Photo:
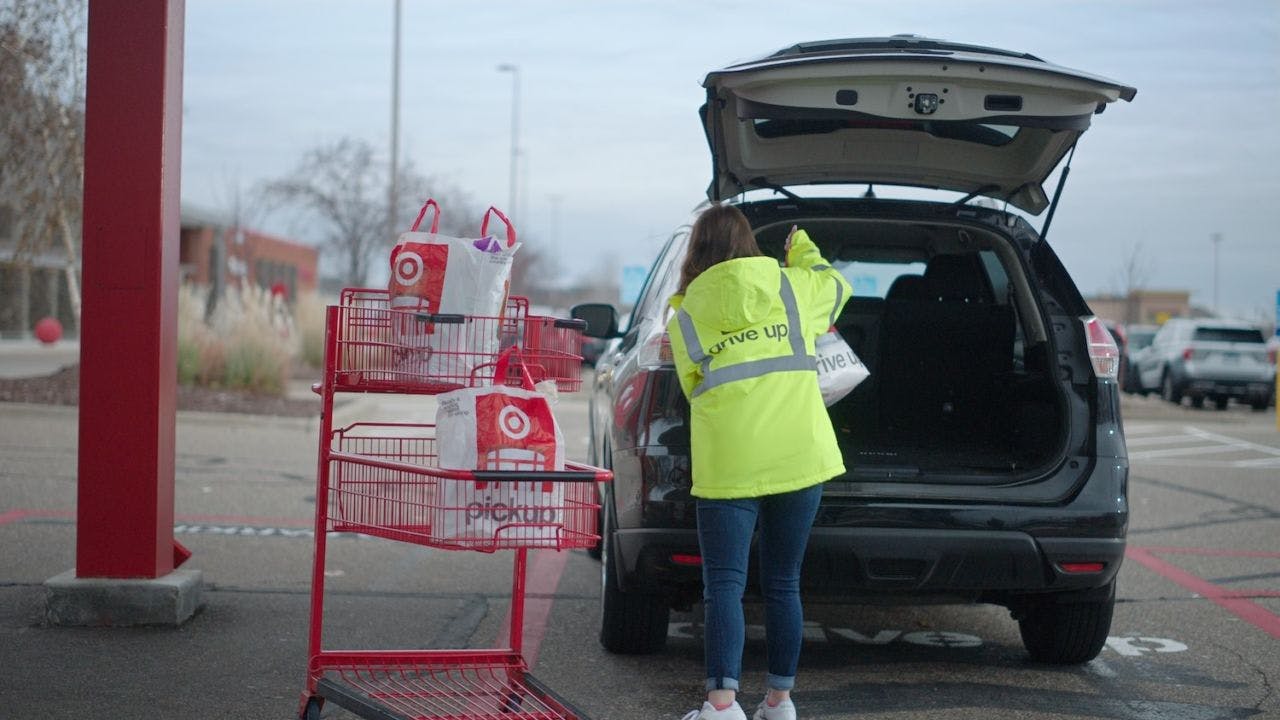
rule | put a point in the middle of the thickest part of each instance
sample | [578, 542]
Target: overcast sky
[610, 91]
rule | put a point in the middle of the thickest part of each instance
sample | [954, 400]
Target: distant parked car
[1208, 359]
[1137, 338]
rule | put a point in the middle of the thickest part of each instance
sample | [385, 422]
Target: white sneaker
[785, 710]
[709, 712]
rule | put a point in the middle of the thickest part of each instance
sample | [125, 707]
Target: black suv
[986, 459]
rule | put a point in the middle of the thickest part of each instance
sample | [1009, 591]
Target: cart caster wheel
[512, 703]
[312, 710]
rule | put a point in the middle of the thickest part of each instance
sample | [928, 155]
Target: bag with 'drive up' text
[839, 369]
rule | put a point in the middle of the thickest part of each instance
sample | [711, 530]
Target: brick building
[217, 254]
[1147, 307]
[211, 252]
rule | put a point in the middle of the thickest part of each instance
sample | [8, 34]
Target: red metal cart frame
[381, 480]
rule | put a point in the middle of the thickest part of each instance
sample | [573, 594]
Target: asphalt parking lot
[1194, 636]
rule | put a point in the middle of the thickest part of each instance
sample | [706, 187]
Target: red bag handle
[484, 225]
[435, 219]
[504, 361]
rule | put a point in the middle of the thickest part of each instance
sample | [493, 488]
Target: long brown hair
[720, 233]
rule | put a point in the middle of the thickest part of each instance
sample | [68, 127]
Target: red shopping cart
[383, 480]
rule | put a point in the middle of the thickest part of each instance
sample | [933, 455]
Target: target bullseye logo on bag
[514, 433]
[418, 275]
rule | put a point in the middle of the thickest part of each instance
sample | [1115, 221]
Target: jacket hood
[734, 294]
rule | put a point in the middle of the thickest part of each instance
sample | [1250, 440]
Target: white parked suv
[1209, 359]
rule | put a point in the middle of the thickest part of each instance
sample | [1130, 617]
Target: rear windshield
[1228, 335]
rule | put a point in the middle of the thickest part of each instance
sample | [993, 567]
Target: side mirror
[601, 319]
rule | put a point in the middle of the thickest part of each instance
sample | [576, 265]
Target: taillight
[1103, 352]
[1080, 568]
[1188, 354]
[655, 351]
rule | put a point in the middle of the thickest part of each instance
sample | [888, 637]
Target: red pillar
[128, 335]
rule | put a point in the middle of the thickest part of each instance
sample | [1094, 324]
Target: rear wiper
[980, 191]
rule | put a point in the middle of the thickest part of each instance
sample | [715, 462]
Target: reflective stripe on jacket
[742, 337]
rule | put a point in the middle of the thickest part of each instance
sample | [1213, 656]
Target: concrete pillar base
[170, 600]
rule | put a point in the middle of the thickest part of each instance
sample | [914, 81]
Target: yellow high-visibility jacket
[742, 337]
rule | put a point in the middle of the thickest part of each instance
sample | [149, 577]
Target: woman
[743, 337]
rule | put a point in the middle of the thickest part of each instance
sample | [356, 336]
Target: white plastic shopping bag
[499, 429]
[839, 369]
[467, 278]
[436, 273]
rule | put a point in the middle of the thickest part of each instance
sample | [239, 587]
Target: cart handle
[435, 219]
[511, 229]
[443, 318]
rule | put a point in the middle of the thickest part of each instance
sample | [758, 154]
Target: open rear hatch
[902, 110]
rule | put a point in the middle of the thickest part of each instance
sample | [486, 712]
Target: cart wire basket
[381, 348]
[383, 482]
[470, 685]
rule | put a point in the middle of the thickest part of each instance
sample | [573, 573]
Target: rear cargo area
[961, 379]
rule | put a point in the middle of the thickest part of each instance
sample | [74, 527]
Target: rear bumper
[1241, 389]
[844, 562]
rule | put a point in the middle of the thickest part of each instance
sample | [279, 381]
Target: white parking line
[1234, 442]
[1173, 452]
[1147, 448]
[1159, 440]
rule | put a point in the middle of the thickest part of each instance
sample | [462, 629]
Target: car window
[1139, 339]
[872, 279]
[662, 280]
[1222, 334]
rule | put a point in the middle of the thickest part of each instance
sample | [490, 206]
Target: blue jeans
[725, 528]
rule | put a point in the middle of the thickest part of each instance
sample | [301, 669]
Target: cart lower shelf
[448, 685]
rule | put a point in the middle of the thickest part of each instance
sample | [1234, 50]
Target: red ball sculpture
[48, 330]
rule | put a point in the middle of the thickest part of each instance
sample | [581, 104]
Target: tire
[1168, 391]
[1221, 403]
[1067, 633]
[1197, 401]
[631, 623]
[1260, 404]
[312, 709]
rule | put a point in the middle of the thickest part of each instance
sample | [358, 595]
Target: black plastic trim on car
[747, 109]
[908, 560]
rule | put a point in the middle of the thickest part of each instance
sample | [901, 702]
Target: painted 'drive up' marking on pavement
[1190, 445]
[1125, 646]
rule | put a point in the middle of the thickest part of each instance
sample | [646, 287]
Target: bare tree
[1132, 278]
[344, 186]
[42, 81]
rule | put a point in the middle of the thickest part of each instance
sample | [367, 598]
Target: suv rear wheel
[1066, 633]
[631, 623]
[1168, 391]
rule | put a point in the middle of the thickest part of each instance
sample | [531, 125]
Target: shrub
[308, 322]
[247, 344]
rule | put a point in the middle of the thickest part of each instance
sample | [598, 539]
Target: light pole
[515, 131]
[1217, 239]
[393, 191]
